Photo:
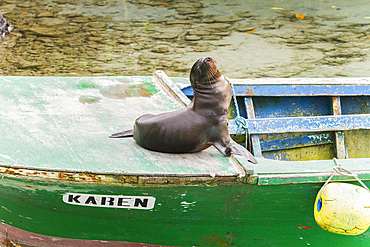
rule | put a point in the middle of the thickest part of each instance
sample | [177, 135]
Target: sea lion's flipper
[234, 148]
[239, 149]
[127, 133]
[225, 151]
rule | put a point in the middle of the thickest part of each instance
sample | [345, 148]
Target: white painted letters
[110, 201]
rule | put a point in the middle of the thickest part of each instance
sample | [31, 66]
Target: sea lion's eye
[199, 72]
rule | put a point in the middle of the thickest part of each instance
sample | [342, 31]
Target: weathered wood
[256, 145]
[304, 124]
[306, 105]
[172, 90]
[272, 87]
[301, 90]
[296, 142]
[339, 135]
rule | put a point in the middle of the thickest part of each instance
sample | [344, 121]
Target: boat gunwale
[129, 179]
[109, 178]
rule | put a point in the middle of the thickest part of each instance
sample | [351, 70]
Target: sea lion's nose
[208, 59]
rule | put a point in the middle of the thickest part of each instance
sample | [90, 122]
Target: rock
[216, 26]
[26, 4]
[222, 33]
[80, 19]
[335, 60]
[161, 49]
[297, 40]
[344, 53]
[122, 27]
[325, 37]
[44, 31]
[187, 11]
[127, 35]
[349, 37]
[168, 33]
[179, 22]
[220, 19]
[44, 14]
[192, 37]
[240, 27]
[322, 46]
[72, 15]
[265, 23]
[332, 17]
[97, 25]
[96, 39]
[186, 4]
[351, 24]
[212, 37]
[124, 41]
[199, 32]
[49, 22]
[244, 14]
[202, 47]
[7, 9]
[24, 64]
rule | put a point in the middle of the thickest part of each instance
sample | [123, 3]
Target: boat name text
[110, 201]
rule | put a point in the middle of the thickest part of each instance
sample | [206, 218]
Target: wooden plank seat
[322, 108]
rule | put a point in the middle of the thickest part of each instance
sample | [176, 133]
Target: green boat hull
[63, 182]
[216, 214]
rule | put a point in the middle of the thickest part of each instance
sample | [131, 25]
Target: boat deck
[62, 124]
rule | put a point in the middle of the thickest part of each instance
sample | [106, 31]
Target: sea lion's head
[204, 72]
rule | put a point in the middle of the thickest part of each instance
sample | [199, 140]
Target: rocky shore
[93, 37]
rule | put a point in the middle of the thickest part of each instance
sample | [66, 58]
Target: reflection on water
[135, 37]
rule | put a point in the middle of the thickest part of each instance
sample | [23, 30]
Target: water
[250, 39]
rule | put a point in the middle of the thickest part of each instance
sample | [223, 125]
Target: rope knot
[242, 123]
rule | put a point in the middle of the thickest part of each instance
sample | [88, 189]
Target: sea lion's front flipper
[225, 151]
[234, 148]
[239, 149]
[127, 133]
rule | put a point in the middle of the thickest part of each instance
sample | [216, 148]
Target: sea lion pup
[201, 124]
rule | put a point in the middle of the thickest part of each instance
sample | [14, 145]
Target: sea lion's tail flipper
[127, 133]
[234, 148]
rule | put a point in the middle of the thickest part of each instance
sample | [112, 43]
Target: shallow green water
[249, 38]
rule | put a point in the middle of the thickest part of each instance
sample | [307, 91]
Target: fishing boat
[63, 182]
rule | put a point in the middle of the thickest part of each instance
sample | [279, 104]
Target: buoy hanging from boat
[343, 208]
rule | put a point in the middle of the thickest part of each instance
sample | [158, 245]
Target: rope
[338, 168]
[240, 121]
[344, 172]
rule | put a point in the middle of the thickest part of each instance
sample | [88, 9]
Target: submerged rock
[161, 49]
[44, 31]
[49, 22]
[44, 14]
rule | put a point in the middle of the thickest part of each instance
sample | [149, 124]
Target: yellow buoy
[343, 208]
